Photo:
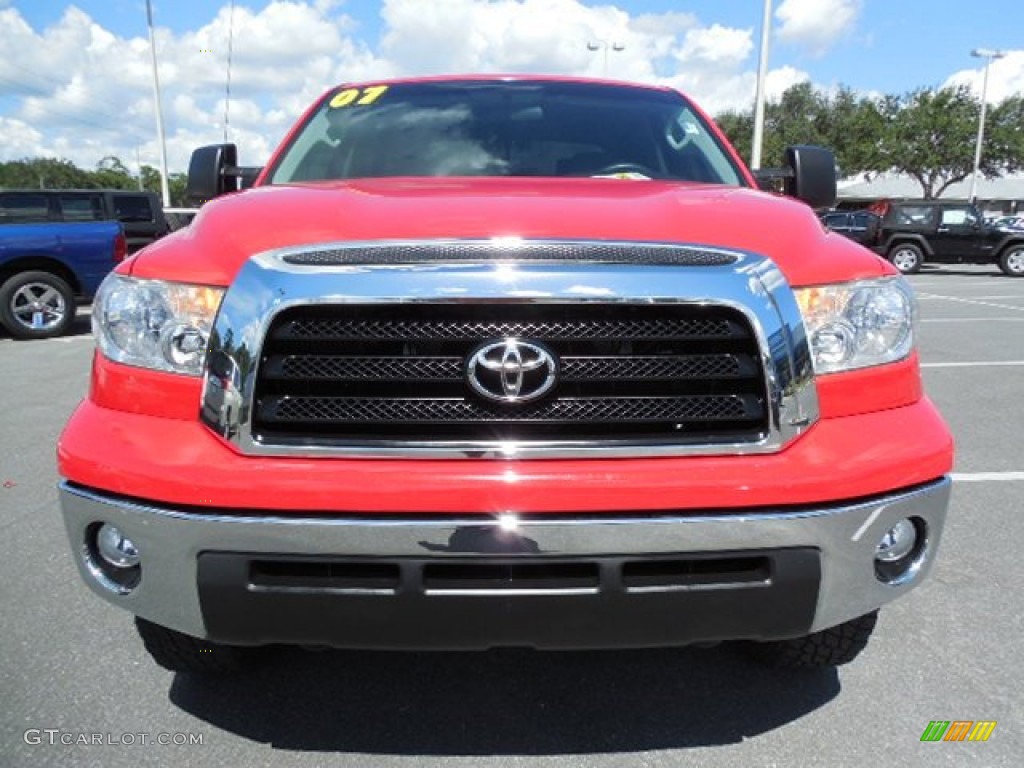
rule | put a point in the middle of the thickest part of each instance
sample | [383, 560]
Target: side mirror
[207, 172]
[814, 175]
[214, 170]
[809, 175]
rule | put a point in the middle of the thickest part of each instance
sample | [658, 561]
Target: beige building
[1004, 195]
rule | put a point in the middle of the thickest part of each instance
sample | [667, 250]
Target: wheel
[906, 257]
[828, 648]
[179, 652]
[36, 305]
[1012, 261]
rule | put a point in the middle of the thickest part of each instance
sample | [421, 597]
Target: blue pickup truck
[45, 269]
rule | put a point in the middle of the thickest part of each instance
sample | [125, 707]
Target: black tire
[906, 257]
[1011, 261]
[830, 647]
[36, 305]
[179, 652]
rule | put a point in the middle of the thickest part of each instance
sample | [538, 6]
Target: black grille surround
[369, 374]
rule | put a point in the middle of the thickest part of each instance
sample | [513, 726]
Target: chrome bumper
[170, 542]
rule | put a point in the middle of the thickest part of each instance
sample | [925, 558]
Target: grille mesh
[470, 251]
[634, 368]
[383, 330]
[366, 410]
[371, 368]
[299, 367]
[337, 374]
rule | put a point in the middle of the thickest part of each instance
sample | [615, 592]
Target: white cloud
[504, 35]
[81, 92]
[816, 24]
[669, 23]
[284, 56]
[716, 45]
[1005, 78]
[781, 80]
[20, 139]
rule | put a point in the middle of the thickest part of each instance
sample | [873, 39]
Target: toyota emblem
[511, 370]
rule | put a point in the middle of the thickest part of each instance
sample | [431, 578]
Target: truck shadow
[81, 325]
[508, 702]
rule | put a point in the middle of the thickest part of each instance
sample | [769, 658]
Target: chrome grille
[362, 373]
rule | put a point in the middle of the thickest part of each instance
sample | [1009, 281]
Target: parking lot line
[997, 297]
[971, 301]
[55, 340]
[973, 320]
[936, 285]
[986, 477]
[984, 363]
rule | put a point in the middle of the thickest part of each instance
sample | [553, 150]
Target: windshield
[504, 128]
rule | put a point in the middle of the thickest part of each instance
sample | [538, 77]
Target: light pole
[988, 55]
[606, 45]
[762, 72]
[227, 80]
[159, 111]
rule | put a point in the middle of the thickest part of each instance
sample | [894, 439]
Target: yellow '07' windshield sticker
[357, 97]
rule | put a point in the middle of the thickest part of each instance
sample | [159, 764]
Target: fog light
[902, 551]
[116, 548]
[897, 543]
[111, 558]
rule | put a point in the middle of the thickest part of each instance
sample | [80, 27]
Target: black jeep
[946, 232]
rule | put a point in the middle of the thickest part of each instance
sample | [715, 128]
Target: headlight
[154, 324]
[856, 325]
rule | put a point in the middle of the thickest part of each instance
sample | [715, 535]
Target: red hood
[231, 229]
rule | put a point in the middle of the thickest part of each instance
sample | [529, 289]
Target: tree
[738, 127]
[854, 129]
[1004, 136]
[176, 183]
[930, 136]
[44, 172]
[150, 178]
[111, 173]
[926, 134]
[848, 124]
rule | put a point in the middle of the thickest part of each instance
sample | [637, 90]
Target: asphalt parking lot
[951, 650]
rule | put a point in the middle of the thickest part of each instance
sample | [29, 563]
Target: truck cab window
[23, 208]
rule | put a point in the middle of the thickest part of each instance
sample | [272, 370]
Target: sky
[76, 78]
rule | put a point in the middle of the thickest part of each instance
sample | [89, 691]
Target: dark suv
[946, 233]
[140, 213]
[860, 226]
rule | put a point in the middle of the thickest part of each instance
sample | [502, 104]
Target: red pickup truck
[505, 361]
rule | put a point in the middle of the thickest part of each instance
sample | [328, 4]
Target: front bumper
[580, 581]
[179, 463]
